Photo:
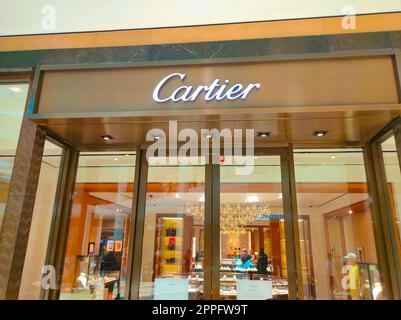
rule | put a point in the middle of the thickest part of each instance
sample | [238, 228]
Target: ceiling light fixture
[264, 134]
[107, 137]
[333, 157]
[15, 89]
[350, 212]
[320, 133]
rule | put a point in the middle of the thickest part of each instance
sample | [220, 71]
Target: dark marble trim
[207, 50]
[20, 205]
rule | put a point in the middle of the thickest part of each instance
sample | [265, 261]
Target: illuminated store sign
[270, 216]
[217, 90]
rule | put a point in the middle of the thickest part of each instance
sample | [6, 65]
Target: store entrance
[228, 243]
[253, 250]
[189, 240]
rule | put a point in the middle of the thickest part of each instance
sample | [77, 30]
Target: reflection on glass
[393, 179]
[12, 104]
[173, 241]
[97, 248]
[252, 239]
[336, 232]
[41, 222]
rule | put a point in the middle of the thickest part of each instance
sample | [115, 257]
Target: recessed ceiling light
[15, 89]
[107, 137]
[350, 211]
[333, 157]
[264, 134]
[127, 155]
[320, 133]
[115, 159]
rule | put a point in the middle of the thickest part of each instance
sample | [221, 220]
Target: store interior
[334, 221]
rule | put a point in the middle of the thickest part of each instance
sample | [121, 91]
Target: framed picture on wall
[110, 245]
[118, 246]
[91, 248]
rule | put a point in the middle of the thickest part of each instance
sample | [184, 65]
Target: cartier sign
[217, 90]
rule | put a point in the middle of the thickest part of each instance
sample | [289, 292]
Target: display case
[86, 272]
[231, 271]
[196, 285]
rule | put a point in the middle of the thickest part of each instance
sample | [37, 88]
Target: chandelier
[233, 216]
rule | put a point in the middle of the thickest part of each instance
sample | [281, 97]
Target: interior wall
[363, 235]
[75, 238]
[319, 251]
[348, 225]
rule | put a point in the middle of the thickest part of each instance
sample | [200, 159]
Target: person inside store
[262, 262]
[352, 272]
[245, 256]
[330, 272]
[111, 262]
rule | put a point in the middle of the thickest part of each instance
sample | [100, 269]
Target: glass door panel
[393, 180]
[97, 247]
[253, 259]
[173, 242]
[338, 245]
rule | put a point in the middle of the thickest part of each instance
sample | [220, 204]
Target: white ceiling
[54, 16]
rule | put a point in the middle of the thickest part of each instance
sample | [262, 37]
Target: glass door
[253, 245]
[173, 247]
[96, 257]
[213, 231]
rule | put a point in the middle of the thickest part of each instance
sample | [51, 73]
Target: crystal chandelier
[233, 216]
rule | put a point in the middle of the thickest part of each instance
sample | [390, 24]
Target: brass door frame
[386, 237]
